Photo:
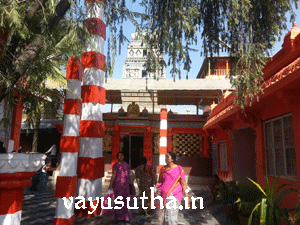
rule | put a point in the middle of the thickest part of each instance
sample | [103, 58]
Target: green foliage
[29, 23]
[245, 29]
[248, 198]
[228, 194]
[295, 220]
[39, 47]
[269, 207]
[246, 74]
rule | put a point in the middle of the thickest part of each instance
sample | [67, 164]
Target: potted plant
[227, 195]
[248, 198]
[295, 219]
[269, 207]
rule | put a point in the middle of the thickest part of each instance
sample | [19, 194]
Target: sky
[195, 57]
[129, 28]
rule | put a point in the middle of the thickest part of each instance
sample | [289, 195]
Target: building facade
[262, 139]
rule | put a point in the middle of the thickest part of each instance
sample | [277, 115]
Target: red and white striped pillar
[91, 128]
[66, 185]
[163, 138]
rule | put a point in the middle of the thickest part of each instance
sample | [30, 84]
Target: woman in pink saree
[171, 183]
[120, 184]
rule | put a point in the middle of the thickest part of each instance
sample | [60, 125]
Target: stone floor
[39, 208]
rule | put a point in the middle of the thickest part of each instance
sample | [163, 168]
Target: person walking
[52, 151]
[120, 184]
[171, 183]
[145, 177]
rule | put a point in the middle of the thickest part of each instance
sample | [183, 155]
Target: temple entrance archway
[133, 149]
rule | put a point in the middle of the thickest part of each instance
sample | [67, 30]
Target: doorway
[133, 149]
[243, 155]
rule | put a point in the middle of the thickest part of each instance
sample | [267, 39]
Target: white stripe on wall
[96, 44]
[95, 10]
[61, 210]
[11, 219]
[163, 124]
[91, 147]
[162, 159]
[163, 141]
[68, 164]
[86, 188]
[71, 125]
[93, 76]
[91, 111]
[75, 86]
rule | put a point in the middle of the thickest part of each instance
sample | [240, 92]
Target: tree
[38, 37]
[42, 36]
[247, 27]
[43, 106]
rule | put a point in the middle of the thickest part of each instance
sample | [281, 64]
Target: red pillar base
[16, 171]
[11, 196]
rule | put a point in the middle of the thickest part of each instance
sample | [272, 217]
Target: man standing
[52, 152]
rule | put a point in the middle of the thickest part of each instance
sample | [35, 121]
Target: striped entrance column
[66, 185]
[91, 128]
[163, 138]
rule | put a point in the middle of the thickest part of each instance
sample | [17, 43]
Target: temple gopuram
[135, 128]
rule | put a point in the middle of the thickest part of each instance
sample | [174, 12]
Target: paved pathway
[39, 209]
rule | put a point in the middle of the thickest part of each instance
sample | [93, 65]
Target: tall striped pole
[163, 137]
[91, 128]
[66, 185]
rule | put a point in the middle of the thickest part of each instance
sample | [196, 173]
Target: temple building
[135, 128]
[261, 140]
[134, 66]
[235, 144]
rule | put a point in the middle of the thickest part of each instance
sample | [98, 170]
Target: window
[223, 156]
[280, 148]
